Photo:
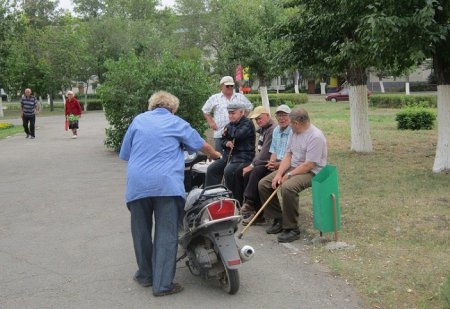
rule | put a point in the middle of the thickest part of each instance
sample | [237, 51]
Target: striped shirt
[217, 104]
[279, 141]
[28, 105]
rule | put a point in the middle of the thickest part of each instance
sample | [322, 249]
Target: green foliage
[94, 105]
[401, 100]
[5, 125]
[290, 99]
[415, 117]
[131, 80]
[248, 32]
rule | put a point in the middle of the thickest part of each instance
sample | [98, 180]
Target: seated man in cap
[238, 142]
[266, 126]
[278, 142]
[215, 108]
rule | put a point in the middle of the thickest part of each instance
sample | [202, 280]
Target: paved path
[65, 240]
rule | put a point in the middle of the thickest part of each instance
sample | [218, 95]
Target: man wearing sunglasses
[215, 109]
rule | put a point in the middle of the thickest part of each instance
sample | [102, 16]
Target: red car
[341, 95]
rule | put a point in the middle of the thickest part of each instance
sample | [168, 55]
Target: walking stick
[228, 160]
[259, 211]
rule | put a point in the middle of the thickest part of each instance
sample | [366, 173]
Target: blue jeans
[156, 259]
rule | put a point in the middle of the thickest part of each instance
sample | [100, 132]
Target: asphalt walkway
[65, 240]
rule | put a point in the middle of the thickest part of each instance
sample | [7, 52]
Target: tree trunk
[296, 78]
[407, 85]
[380, 80]
[442, 159]
[1, 107]
[264, 97]
[323, 88]
[263, 92]
[86, 97]
[359, 118]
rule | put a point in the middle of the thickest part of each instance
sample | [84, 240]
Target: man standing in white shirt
[215, 109]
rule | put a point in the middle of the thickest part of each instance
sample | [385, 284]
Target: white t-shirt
[310, 145]
[217, 105]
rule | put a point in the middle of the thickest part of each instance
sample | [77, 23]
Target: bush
[290, 99]
[131, 80]
[5, 125]
[416, 117]
[401, 100]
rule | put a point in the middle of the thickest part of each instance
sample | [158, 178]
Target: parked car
[342, 95]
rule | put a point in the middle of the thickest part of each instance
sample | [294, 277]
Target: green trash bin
[325, 190]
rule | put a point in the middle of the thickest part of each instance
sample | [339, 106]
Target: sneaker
[32, 137]
[247, 210]
[259, 221]
[28, 135]
[74, 136]
[176, 288]
[276, 227]
[289, 235]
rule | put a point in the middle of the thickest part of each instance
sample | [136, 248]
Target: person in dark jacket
[238, 141]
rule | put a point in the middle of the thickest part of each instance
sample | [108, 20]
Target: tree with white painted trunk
[325, 36]
[388, 27]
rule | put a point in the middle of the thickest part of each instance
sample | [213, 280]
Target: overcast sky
[67, 4]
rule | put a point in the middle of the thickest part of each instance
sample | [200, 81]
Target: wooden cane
[259, 211]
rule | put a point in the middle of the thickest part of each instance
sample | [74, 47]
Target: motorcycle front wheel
[229, 280]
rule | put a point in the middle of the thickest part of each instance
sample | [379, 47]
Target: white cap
[227, 80]
[283, 108]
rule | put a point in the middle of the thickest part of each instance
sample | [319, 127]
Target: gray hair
[299, 115]
[69, 92]
[165, 100]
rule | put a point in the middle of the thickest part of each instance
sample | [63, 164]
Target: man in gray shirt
[306, 155]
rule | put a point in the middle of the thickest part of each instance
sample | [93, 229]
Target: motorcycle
[210, 221]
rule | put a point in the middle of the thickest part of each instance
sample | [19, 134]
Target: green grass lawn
[394, 210]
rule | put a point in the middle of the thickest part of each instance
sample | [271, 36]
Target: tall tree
[403, 33]
[40, 12]
[248, 30]
[326, 36]
[7, 21]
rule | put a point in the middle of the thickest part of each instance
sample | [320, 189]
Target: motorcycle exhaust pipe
[246, 253]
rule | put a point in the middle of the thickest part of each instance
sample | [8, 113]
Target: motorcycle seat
[195, 195]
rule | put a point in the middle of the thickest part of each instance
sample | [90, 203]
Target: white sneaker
[74, 136]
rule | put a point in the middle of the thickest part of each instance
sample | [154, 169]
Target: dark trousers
[251, 180]
[220, 169]
[156, 259]
[31, 120]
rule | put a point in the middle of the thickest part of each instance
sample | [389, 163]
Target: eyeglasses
[229, 86]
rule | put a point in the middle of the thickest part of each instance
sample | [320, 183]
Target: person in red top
[72, 110]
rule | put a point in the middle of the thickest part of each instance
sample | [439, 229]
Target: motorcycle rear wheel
[229, 281]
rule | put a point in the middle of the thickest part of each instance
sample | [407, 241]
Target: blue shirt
[153, 147]
[279, 141]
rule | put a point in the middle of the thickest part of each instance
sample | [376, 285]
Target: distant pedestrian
[29, 107]
[72, 110]
[215, 109]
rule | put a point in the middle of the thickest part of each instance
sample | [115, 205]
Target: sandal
[176, 288]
